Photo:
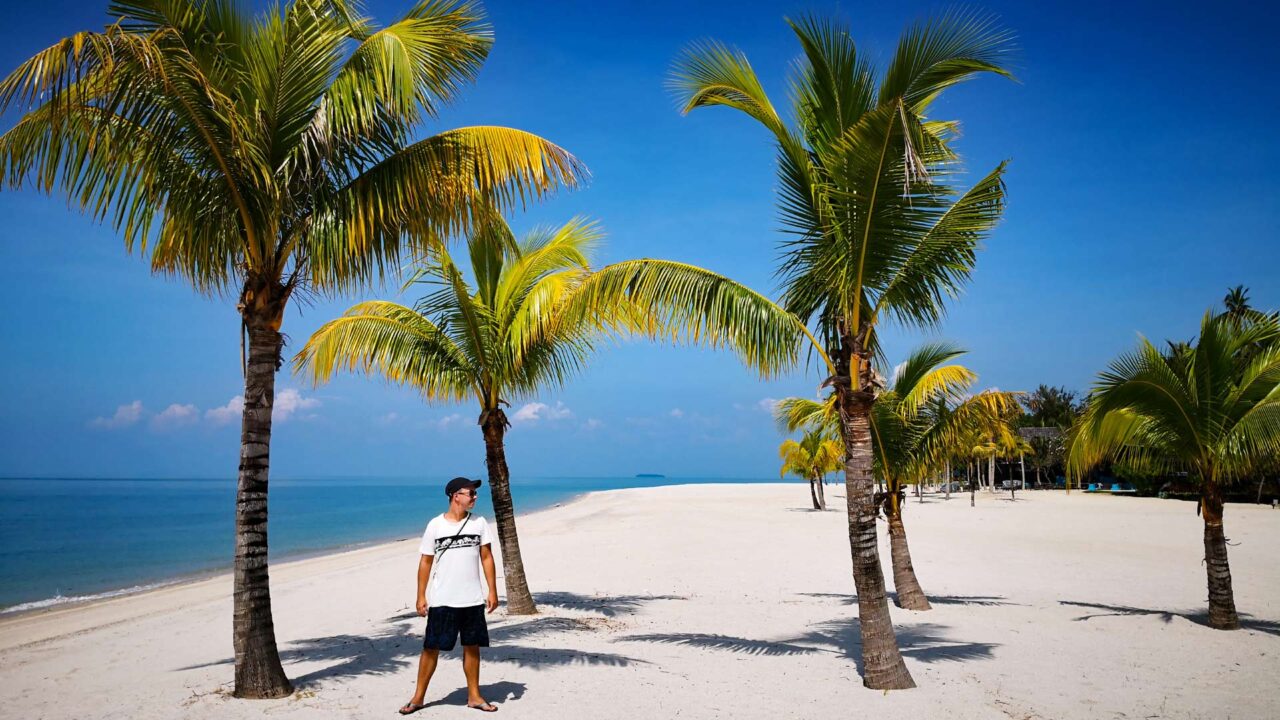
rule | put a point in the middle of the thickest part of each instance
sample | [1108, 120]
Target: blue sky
[1141, 186]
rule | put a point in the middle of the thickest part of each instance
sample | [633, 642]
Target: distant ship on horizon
[650, 475]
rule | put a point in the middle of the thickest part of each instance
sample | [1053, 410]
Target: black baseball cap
[460, 483]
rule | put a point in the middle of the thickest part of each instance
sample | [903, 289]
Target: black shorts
[445, 624]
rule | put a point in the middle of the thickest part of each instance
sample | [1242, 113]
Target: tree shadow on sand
[396, 647]
[1201, 617]
[926, 642]
[972, 600]
[607, 605]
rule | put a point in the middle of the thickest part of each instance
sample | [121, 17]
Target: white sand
[719, 601]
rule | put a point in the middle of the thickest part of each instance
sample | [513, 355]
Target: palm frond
[711, 73]
[679, 303]
[392, 341]
[936, 54]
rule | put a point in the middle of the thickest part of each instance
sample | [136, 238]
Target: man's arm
[424, 572]
[490, 576]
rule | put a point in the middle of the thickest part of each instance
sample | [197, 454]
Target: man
[457, 545]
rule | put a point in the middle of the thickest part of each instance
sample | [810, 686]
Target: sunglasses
[468, 493]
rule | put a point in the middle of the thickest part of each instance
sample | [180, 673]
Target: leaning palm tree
[531, 321]
[264, 157]
[815, 454]
[916, 423]
[911, 440]
[877, 229]
[1212, 411]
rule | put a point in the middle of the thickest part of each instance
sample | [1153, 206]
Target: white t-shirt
[455, 572]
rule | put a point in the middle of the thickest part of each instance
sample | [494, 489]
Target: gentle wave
[63, 599]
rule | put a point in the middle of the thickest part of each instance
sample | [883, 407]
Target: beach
[718, 601]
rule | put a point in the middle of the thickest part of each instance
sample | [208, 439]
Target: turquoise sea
[71, 539]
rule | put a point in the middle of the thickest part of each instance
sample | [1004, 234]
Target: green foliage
[534, 315]
[1210, 408]
[1050, 407]
[924, 418]
[270, 150]
[815, 455]
[875, 226]
[927, 416]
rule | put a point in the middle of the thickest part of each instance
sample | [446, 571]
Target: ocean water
[63, 540]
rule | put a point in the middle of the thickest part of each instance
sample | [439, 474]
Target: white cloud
[227, 413]
[449, 421]
[176, 415]
[534, 411]
[592, 424]
[768, 404]
[677, 413]
[125, 415]
[290, 401]
[389, 419]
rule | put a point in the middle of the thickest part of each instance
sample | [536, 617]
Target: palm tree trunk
[883, 668]
[813, 494]
[973, 487]
[258, 673]
[910, 594]
[991, 474]
[1222, 601]
[519, 599]
[947, 480]
[822, 496]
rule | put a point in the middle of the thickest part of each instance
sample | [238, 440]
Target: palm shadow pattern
[1201, 617]
[396, 646]
[609, 606]
[926, 642]
[968, 600]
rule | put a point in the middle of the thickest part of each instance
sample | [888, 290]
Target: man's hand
[492, 603]
[422, 607]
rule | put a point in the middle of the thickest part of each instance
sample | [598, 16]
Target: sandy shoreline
[718, 601]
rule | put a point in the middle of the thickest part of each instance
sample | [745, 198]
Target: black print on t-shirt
[456, 541]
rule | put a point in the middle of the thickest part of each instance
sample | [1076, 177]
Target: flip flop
[487, 707]
[410, 708]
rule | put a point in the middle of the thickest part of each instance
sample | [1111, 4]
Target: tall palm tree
[265, 156]
[1212, 411]
[529, 323]
[876, 228]
[817, 453]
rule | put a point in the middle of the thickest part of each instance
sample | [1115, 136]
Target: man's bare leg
[426, 668]
[471, 667]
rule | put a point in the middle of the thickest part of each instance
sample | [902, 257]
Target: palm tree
[1050, 407]
[817, 453]
[1237, 301]
[1212, 411]
[267, 156]
[876, 228]
[530, 322]
[914, 423]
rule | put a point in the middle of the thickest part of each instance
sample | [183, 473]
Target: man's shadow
[496, 693]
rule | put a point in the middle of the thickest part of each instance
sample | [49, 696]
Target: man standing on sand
[457, 545]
